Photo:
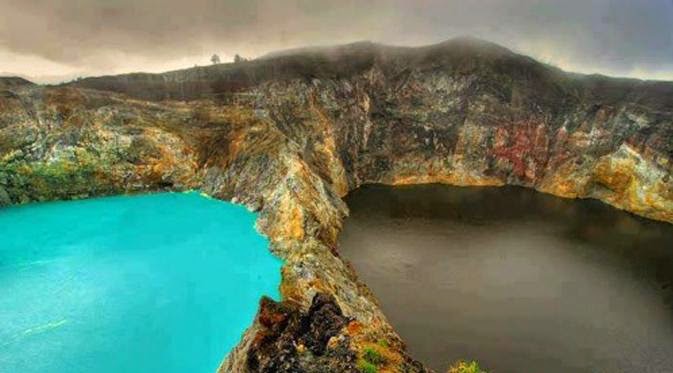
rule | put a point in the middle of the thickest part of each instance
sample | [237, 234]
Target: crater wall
[290, 135]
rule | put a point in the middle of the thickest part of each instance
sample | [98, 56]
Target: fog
[59, 39]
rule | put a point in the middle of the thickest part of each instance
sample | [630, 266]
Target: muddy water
[520, 281]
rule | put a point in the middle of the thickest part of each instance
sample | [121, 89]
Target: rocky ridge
[13, 82]
[290, 134]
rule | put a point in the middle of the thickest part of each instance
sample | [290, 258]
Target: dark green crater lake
[518, 280]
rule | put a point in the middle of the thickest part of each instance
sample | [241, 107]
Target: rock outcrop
[290, 134]
[287, 336]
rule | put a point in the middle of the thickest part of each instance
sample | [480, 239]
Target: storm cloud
[39, 38]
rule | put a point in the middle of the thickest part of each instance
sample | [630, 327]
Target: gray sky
[52, 39]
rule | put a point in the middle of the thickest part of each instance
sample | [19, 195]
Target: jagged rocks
[291, 341]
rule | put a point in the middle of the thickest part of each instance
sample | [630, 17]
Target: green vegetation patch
[366, 367]
[463, 366]
[370, 360]
[80, 175]
[373, 356]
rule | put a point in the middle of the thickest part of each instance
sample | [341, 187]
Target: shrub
[465, 367]
[371, 355]
[366, 367]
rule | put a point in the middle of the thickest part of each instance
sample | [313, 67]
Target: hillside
[13, 82]
[464, 56]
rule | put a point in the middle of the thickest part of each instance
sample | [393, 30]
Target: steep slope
[289, 134]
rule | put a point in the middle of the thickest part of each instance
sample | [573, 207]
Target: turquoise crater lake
[155, 283]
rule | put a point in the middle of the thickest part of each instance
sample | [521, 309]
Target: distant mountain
[13, 82]
[465, 55]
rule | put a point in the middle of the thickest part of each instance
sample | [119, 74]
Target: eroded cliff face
[290, 135]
